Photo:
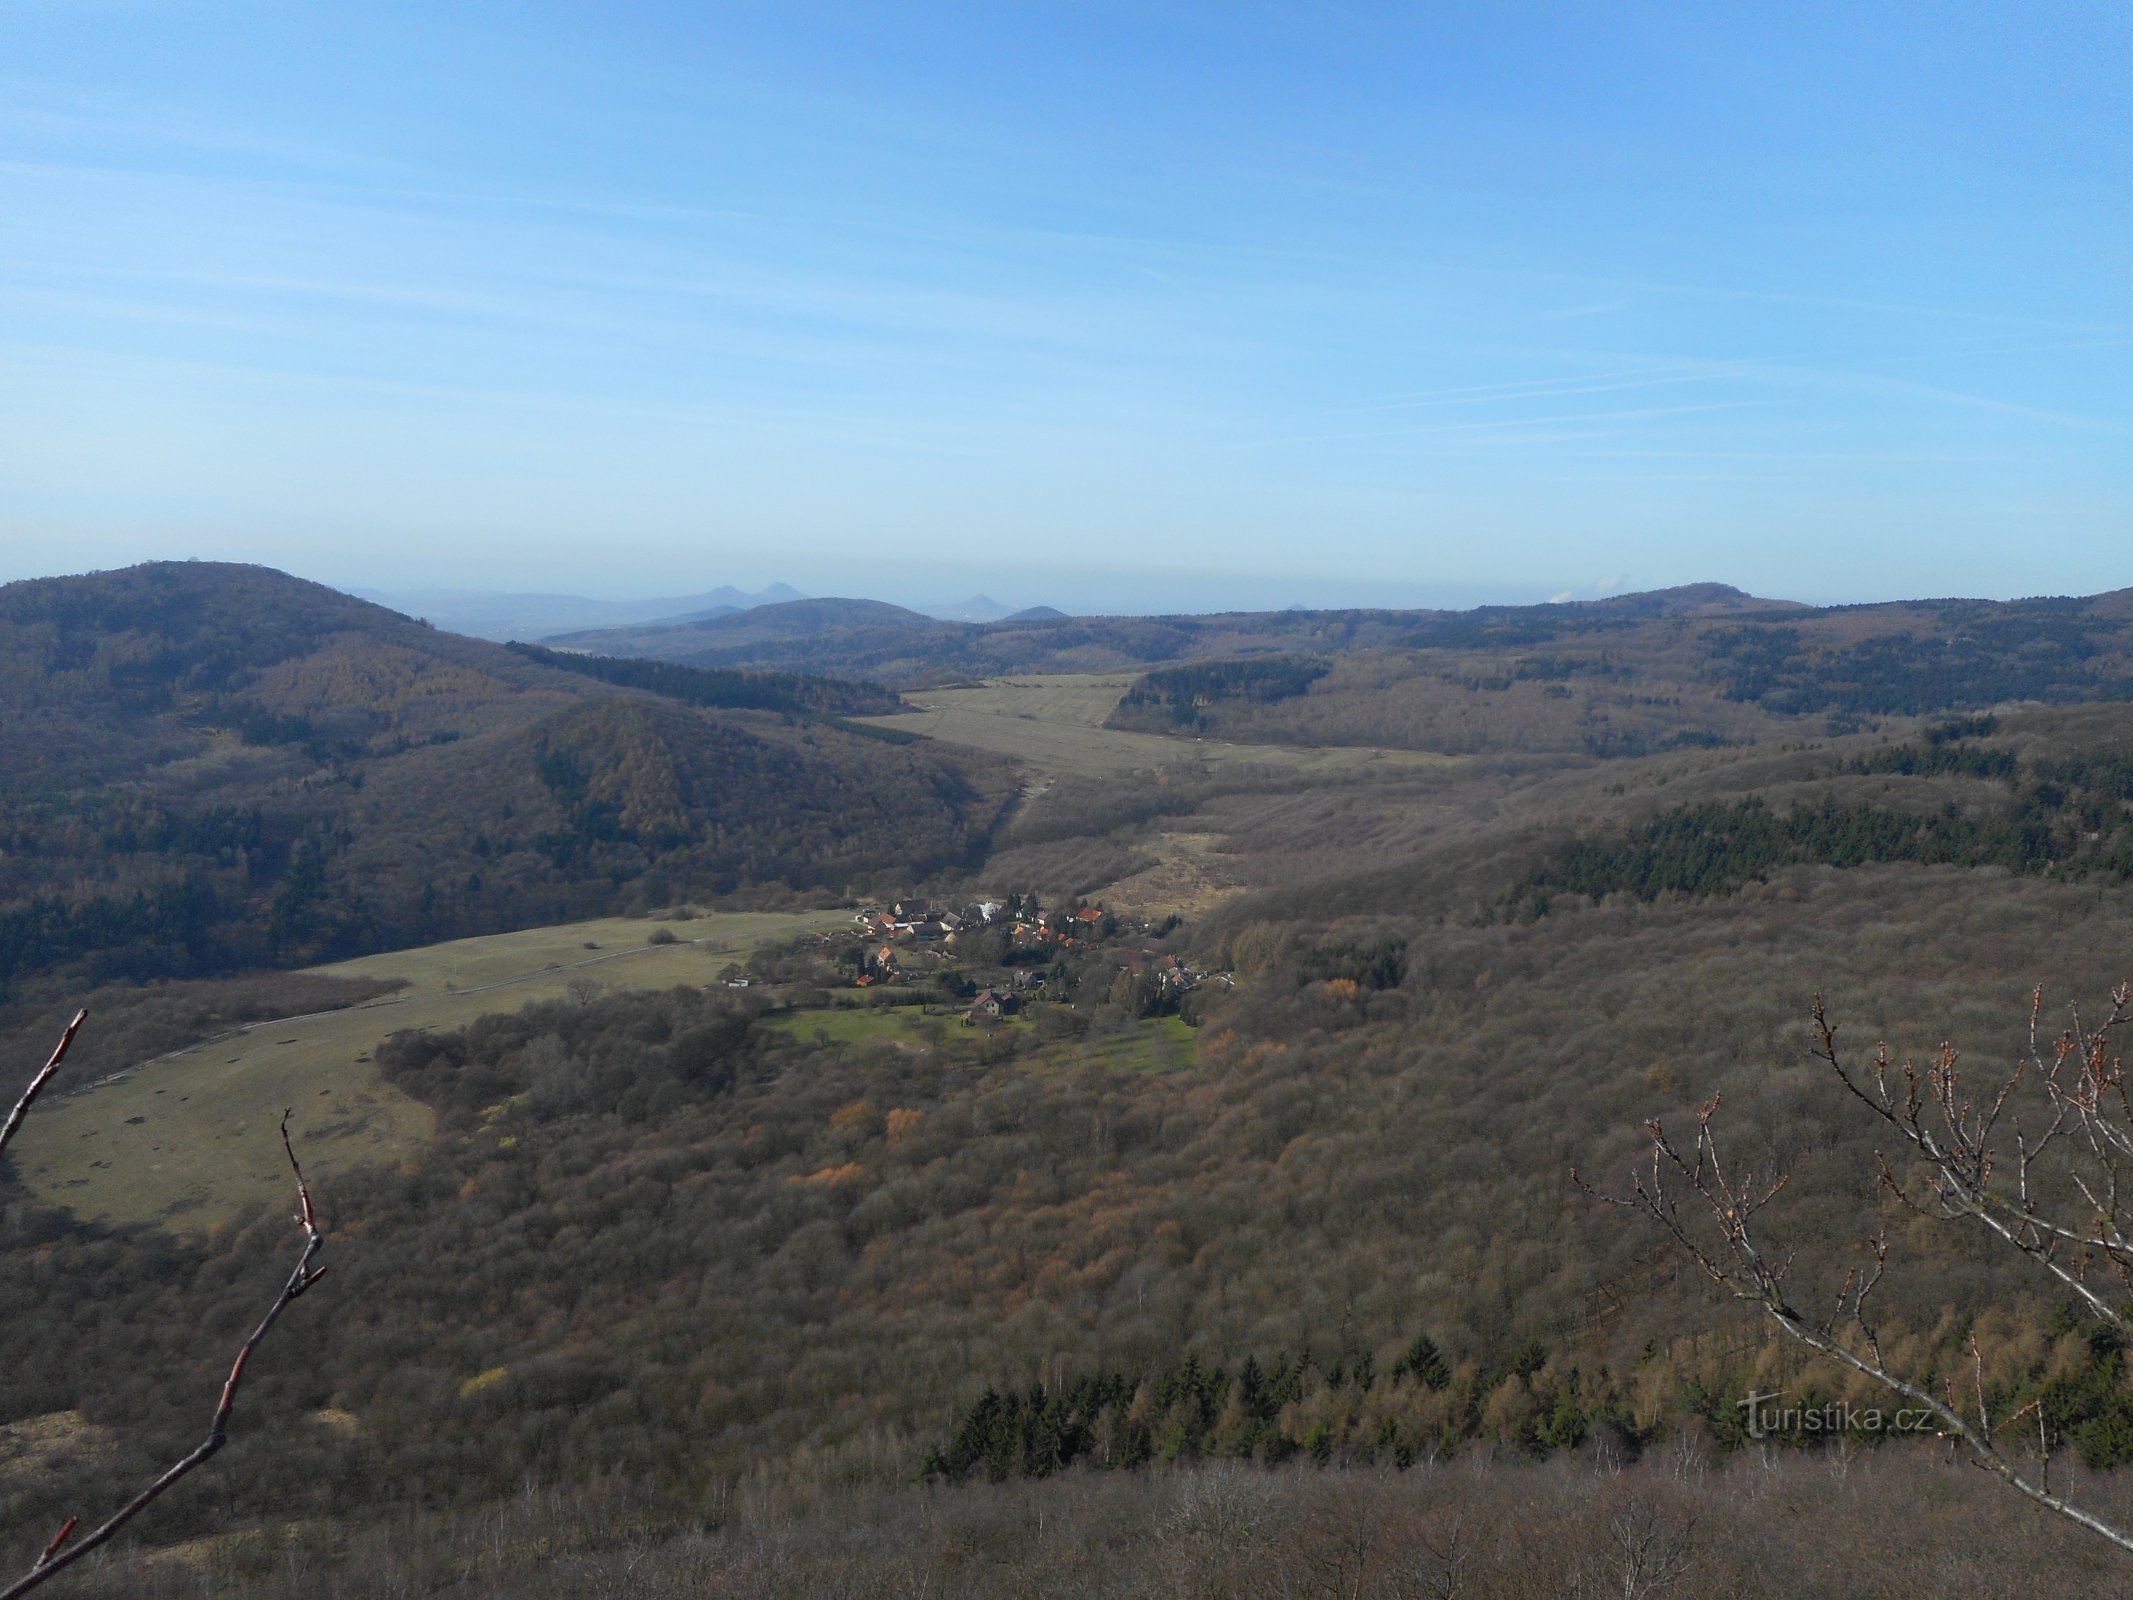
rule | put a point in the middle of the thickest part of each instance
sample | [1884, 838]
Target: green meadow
[188, 1139]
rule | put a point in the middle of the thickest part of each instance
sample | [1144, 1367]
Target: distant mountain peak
[1687, 599]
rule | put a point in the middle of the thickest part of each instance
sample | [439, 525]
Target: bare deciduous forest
[1238, 1254]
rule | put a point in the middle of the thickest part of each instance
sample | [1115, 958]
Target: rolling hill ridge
[209, 767]
[1712, 642]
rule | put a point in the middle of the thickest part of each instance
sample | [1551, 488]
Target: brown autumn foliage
[661, 1266]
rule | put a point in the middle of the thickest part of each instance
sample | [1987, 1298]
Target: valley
[1066, 803]
[1141, 1067]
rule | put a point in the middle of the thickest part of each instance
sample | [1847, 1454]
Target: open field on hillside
[188, 1139]
[1052, 723]
[1087, 698]
[1191, 877]
[540, 962]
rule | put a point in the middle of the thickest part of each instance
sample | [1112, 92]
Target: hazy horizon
[1076, 593]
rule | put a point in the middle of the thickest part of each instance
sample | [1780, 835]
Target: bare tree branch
[44, 1076]
[64, 1550]
[2087, 1122]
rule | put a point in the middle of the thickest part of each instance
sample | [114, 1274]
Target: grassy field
[187, 1139]
[613, 950]
[850, 1025]
[1078, 697]
[1054, 724]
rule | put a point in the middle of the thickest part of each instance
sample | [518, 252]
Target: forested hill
[206, 766]
[725, 687]
[864, 638]
[867, 638]
[1647, 674]
[1748, 658]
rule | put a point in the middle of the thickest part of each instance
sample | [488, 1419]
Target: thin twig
[60, 1553]
[1954, 1145]
[44, 1076]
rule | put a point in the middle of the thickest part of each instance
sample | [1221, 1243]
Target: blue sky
[1120, 307]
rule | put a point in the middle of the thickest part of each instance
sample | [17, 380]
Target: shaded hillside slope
[206, 766]
[724, 687]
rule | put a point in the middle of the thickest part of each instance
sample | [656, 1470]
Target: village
[1027, 950]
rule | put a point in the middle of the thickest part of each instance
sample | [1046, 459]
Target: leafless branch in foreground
[2061, 1198]
[65, 1549]
[44, 1076]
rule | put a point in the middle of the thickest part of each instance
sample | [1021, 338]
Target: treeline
[1193, 1411]
[2058, 651]
[176, 895]
[1183, 692]
[1510, 627]
[1948, 760]
[633, 1071]
[2070, 817]
[227, 896]
[1718, 847]
[135, 1022]
[1942, 757]
[868, 730]
[2095, 788]
[172, 928]
[725, 688]
[1422, 1408]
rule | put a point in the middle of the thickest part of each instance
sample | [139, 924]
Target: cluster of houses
[1062, 927]
[916, 919]
[1166, 971]
[1028, 925]
[918, 922]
